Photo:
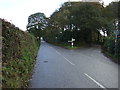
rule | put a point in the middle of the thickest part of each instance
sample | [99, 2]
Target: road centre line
[68, 60]
[95, 81]
[100, 85]
[65, 58]
[58, 52]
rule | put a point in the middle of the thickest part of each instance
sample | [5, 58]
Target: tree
[36, 24]
[111, 16]
[112, 43]
[58, 22]
[87, 17]
[76, 19]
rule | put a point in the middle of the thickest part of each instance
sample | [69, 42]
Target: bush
[18, 55]
[110, 47]
[118, 49]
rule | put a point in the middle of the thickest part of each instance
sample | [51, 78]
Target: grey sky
[17, 11]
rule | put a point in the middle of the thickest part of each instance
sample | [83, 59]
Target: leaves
[19, 51]
[36, 24]
[79, 17]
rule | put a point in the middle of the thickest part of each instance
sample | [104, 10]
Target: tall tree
[87, 17]
[78, 19]
[111, 15]
[36, 24]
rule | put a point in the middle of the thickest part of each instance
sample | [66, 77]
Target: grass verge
[113, 58]
[65, 45]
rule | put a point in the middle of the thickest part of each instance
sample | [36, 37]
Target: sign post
[72, 44]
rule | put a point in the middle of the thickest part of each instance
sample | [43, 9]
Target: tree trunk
[98, 37]
[89, 33]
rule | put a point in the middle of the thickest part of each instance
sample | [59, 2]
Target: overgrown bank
[111, 48]
[18, 55]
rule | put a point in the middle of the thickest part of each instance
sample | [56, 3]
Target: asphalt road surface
[57, 67]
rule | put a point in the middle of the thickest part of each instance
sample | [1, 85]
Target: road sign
[72, 44]
[73, 39]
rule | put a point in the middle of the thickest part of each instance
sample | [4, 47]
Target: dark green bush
[19, 50]
[118, 49]
[110, 45]
[111, 48]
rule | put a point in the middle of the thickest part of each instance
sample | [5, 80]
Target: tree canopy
[36, 24]
[76, 17]
[83, 21]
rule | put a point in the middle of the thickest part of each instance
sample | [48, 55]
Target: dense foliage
[36, 24]
[112, 41]
[85, 21]
[79, 20]
[19, 50]
[112, 47]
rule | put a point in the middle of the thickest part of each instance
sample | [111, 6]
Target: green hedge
[19, 50]
[112, 49]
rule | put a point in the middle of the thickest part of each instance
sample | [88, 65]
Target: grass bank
[19, 50]
[112, 57]
[67, 46]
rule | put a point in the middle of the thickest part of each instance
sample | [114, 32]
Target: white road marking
[58, 52]
[68, 61]
[95, 81]
[64, 58]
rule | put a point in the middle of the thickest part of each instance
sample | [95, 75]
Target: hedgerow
[19, 50]
[111, 48]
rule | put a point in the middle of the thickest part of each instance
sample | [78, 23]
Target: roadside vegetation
[111, 48]
[88, 23]
[66, 45]
[19, 50]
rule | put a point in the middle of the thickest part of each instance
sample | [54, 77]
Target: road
[57, 67]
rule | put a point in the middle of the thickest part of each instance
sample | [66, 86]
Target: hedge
[112, 49]
[19, 50]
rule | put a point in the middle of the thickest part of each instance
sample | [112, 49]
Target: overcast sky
[17, 11]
